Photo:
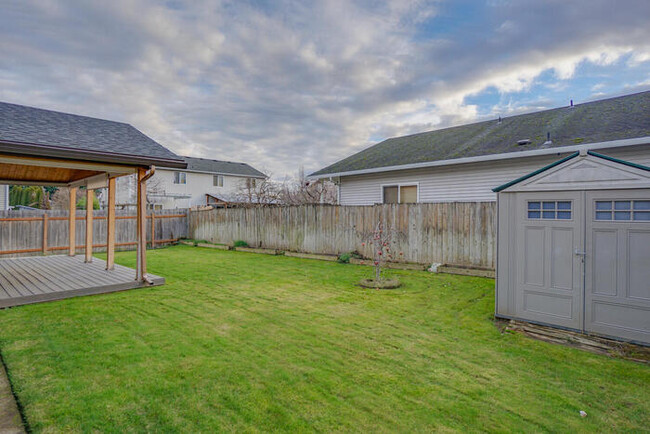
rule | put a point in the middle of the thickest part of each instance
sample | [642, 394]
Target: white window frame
[182, 176]
[612, 211]
[555, 210]
[399, 193]
[218, 179]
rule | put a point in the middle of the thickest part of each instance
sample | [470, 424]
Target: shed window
[180, 177]
[623, 210]
[217, 180]
[400, 194]
[549, 210]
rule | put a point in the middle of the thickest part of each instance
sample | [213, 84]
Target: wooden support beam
[45, 224]
[90, 196]
[72, 220]
[141, 231]
[110, 228]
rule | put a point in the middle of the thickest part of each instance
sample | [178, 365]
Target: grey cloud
[291, 82]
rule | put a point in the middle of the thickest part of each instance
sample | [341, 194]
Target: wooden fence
[458, 233]
[36, 232]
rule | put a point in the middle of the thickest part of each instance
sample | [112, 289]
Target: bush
[344, 258]
[81, 203]
[240, 243]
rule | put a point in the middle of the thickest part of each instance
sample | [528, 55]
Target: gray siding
[4, 197]
[461, 183]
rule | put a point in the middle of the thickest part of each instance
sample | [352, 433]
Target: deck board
[38, 279]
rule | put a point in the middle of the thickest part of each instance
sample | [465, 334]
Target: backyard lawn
[246, 342]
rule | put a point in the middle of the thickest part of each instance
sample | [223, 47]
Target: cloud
[288, 83]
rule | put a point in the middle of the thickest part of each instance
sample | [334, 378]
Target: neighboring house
[204, 182]
[4, 197]
[464, 163]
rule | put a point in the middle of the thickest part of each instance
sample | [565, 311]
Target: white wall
[4, 197]
[162, 190]
[464, 182]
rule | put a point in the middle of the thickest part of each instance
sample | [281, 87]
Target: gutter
[215, 173]
[35, 150]
[494, 157]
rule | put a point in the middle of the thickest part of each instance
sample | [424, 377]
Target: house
[203, 182]
[574, 247]
[4, 197]
[464, 163]
[44, 147]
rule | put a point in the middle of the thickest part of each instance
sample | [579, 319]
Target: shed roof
[604, 120]
[599, 174]
[37, 132]
[222, 167]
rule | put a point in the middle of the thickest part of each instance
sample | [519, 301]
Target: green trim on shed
[617, 160]
[536, 172]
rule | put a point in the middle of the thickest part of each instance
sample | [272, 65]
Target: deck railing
[25, 233]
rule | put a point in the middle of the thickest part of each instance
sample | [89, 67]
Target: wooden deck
[45, 278]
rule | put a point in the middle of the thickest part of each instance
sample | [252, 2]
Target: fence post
[45, 233]
[153, 229]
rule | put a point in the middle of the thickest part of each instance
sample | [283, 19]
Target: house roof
[46, 133]
[604, 120]
[222, 167]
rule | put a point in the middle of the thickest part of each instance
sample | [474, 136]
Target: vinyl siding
[462, 183]
[4, 197]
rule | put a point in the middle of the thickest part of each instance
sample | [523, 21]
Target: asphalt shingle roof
[222, 167]
[23, 126]
[598, 121]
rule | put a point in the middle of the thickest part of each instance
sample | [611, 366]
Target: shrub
[344, 258]
[240, 243]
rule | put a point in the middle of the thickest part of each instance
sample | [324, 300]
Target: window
[400, 193]
[180, 178]
[549, 210]
[250, 182]
[623, 210]
[217, 180]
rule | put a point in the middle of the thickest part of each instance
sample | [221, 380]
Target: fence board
[458, 233]
[21, 232]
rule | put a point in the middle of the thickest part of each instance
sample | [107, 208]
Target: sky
[285, 83]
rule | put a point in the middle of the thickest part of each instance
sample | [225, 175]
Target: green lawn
[246, 342]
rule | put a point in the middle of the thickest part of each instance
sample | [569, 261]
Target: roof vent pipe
[548, 141]
[499, 119]
[571, 103]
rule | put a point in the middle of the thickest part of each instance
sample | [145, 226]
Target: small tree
[382, 243]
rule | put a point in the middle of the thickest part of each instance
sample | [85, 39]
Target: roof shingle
[617, 118]
[22, 126]
[222, 167]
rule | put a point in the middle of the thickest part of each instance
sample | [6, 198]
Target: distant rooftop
[222, 167]
[623, 117]
[47, 133]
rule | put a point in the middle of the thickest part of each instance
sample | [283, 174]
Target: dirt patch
[382, 284]
[10, 420]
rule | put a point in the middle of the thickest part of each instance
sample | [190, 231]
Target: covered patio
[46, 148]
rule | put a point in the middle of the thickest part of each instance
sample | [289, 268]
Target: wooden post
[153, 229]
[110, 226]
[141, 268]
[89, 224]
[45, 233]
[72, 231]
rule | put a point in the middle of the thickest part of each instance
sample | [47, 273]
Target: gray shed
[574, 247]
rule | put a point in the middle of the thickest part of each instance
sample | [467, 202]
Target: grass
[245, 342]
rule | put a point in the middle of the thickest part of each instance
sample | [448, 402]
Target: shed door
[617, 273]
[549, 265]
